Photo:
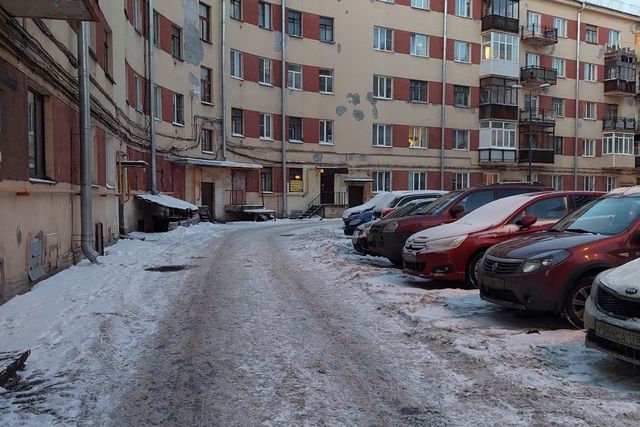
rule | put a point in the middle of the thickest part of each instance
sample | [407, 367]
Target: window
[36, 126]
[589, 148]
[557, 106]
[137, 88]
[176, 42]
[294, 23]
[612, 183]
[266, 130]
[157, 107]
[496, 90]
[294, 76]
[207, 140]
[156, 29]
[611, 112]
[589, 183]
[236, 64]
[418, 137]
[178, 109]
[459, 180]
[556, 182]
[382, 87]
[420, 4]
[236, 9]
[296, 180]
[108, 53]
[237, 122]
[460, 139]
[491, 178]
[265, 71]
[266, 180]
[463, 8]
[531, 102]
[592, 34]
[418, 91]
[500, 46]
[547, 209]
[382, 38]
[461, 51]
[617, 143]
[590, 72]
[205, 22]
[137, 16]
[561, 26]
[264, 15]
[590, 110]
[476, 199]
[326, 81]
[503, 134]
[205, 85]
[460, 96]
[381, 181]
[295, 129]
[614, 38]
[417, 180]
[558, 145]
[326, 29]
[382, 135]
[419, 44]
[560, 65]
[326, 132]
[532, 59]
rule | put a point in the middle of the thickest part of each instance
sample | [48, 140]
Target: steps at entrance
[313, 210]
[203, 211]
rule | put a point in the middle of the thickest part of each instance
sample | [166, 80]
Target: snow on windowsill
[42, 181]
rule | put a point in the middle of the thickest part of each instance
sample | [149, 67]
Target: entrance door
[207, 190]
[356, 195]
[327, 182]
[238, 187]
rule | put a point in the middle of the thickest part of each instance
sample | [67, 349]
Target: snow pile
[167, 201]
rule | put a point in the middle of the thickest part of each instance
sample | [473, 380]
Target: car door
[548, 211]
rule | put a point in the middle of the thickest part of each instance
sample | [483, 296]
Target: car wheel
[576, 301]
[473, 269]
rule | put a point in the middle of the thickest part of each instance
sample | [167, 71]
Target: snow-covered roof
[626, 6]
[357, 178]
[167, 201]
[214, 163]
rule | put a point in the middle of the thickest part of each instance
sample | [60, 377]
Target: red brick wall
[400, 180]
[400, 135]
[310, 130]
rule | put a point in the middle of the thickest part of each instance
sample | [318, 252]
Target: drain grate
[168, 268]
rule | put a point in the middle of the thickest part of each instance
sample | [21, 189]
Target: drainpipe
[86, 155]
[152, 100]
[444, 93]
[283, 58]
[223, 77]
[575, 139]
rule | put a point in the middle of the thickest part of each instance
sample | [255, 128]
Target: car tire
[576, 301]
[473, 266]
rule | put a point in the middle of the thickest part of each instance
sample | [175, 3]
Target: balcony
[534, 75]
[497, 155]
[637, 162]
[500, 23]
[619, 87]
[538, 141]
[538, 36]
[498, 111]
[537, 156]
[537, 118]
[620, 124]
[619, 161]
[84, 10]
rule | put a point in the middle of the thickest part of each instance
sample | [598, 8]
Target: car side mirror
[527, 221]
[456, 210]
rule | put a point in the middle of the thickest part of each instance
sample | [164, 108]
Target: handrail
[339, 198]
[535, 30]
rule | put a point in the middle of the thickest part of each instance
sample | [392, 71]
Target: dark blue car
[353, 221]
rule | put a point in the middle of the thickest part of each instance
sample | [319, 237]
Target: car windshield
[440, 204]
[408, 209]
[608, 216]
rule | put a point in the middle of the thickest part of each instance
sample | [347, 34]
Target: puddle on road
[168, 268]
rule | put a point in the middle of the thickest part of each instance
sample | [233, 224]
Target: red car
[454, 251]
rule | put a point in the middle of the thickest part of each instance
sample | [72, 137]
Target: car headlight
[544, 260]
[444, 244]
[391, 227]
[355, 221]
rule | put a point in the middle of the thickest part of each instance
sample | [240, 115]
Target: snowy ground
[89, 326]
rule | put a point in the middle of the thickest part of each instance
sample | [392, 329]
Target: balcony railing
[537, 117]
[537, 156]
[620, 123]
[498, 111]
[538, 35]
[500, 23]
[619, 87]
[497, 155]
[533, 75]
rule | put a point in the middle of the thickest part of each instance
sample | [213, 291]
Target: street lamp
[530, 108]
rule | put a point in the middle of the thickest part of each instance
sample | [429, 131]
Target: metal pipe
[223, 77]
[152, 99]
[530, 138]
[444, 93]
[577, 124]
[283, 59]
[86, 154]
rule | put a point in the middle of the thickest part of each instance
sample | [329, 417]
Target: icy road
[281, 324]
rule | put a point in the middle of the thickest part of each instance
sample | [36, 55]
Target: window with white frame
[612, 183]
[463, 8]
[589, 183]
[558, 145]
[381, 181]
[617, 143]
[532, 59]
[382, 87]
[560, 25]
[326, 29]
[459, 180]
[326, 81]
[137, 86]
[420, 4]
[500, 46]
[178, 109]
[266, 180]
[503, 134]
[491, 178]
[591, 35]
[417, 180]
[295, 129]
[236, 64]
[264, 15]
[382, 135]
[266, 126]
[326, 132]
[294, 23]
[157, 107]
[237, 122]
[460, 139]
[589, 148]
[557, 106]
[419, 44]
[614, 38]
[590, 72]
[461, 51]
[560, 64]
[590, 110]
[556, 182]
[418, 137]
[383, 38]
[294, 76]
[265, 71]
[236, 9]
[418, 91]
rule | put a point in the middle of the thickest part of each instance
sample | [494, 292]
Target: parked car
[453, 252]
[612, 314]
[390, 200]
[553, 270]
[387, 237]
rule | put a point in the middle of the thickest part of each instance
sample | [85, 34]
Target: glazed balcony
[498, 111]
[620, 124]
[534, 75]
[619, 87]
[538, 142]
[83, 10]
[538, 36]
[537, 156]
[500, 23]
[497, 155]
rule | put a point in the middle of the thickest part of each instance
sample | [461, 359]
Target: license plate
[619, 335]
[493, 282]
[410, 257]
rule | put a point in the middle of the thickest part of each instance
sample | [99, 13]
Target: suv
[553, 270]
[387, 237]
[452, 252]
